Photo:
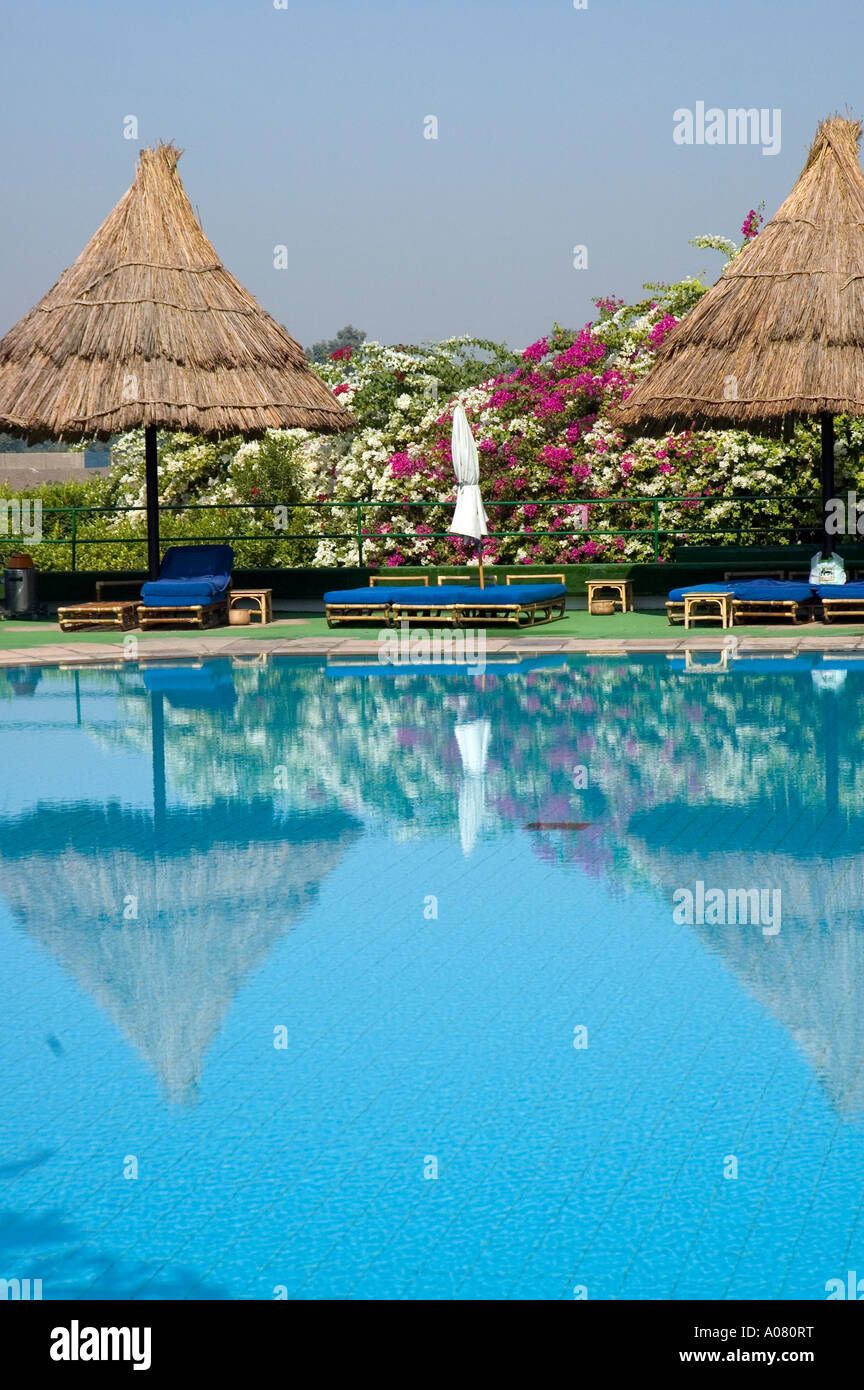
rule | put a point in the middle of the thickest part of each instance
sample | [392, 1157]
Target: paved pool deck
[43, 644]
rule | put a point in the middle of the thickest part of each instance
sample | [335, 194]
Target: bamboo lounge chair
[753, 600]
[842, 600]
[512, 605]
[193, 587]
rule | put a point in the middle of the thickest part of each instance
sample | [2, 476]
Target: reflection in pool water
[284, 942]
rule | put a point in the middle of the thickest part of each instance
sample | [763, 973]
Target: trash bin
[21, 589]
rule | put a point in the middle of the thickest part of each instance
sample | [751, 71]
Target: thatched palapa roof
[149, 328]
[781, 334]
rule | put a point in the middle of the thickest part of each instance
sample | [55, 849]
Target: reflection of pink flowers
[409, 737]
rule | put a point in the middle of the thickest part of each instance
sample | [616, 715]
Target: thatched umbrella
[149, 329]
[780, 336]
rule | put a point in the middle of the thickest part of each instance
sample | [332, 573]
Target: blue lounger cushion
[758, 590]
[720, 587]
[377, 596]
[446, 595]
[197, 561]
[750, 590]
[207, 589]
[854, 589]
[190, 576]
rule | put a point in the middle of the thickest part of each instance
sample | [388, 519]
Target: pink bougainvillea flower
[751, 224]
[536, 351]
[657, 334]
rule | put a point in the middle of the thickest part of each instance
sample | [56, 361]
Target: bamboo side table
[720, 605]
[263, 598]
[623, 587]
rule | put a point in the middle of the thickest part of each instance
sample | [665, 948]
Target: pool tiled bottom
[297, 1006]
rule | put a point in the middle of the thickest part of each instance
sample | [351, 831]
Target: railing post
[74, 536]
[656, 530]
[360, 535]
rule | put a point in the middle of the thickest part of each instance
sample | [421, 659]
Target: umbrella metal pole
[157, 735]
[151, 475]
[480, 563]
[827, 421]
[831, 739]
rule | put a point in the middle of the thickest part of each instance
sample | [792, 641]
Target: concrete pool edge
[197, 648]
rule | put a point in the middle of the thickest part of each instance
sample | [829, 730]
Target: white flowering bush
[221, 490]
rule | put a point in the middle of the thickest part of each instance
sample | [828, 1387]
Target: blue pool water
[299, 963]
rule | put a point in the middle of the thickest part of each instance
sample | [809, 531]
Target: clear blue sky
[303, 126]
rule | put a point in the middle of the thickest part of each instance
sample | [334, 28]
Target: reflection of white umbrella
[828, 680]
[469, 518]
[473, 741]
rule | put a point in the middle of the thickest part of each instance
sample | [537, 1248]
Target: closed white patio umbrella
[469, 518]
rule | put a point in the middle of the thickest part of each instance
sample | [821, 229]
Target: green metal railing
[799, 527]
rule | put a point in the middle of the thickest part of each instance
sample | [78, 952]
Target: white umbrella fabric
[473, 741]
[469, 518]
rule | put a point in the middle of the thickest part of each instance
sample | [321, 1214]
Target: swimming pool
[326, 983]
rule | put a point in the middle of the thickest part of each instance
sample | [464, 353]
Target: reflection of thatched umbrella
[216, 890]
[149, 329]
[809, 974]
[779, 336]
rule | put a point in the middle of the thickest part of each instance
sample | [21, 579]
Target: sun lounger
[758, 599]
[515, 605]
[841, 600]
[193, 587]
[753, 600]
